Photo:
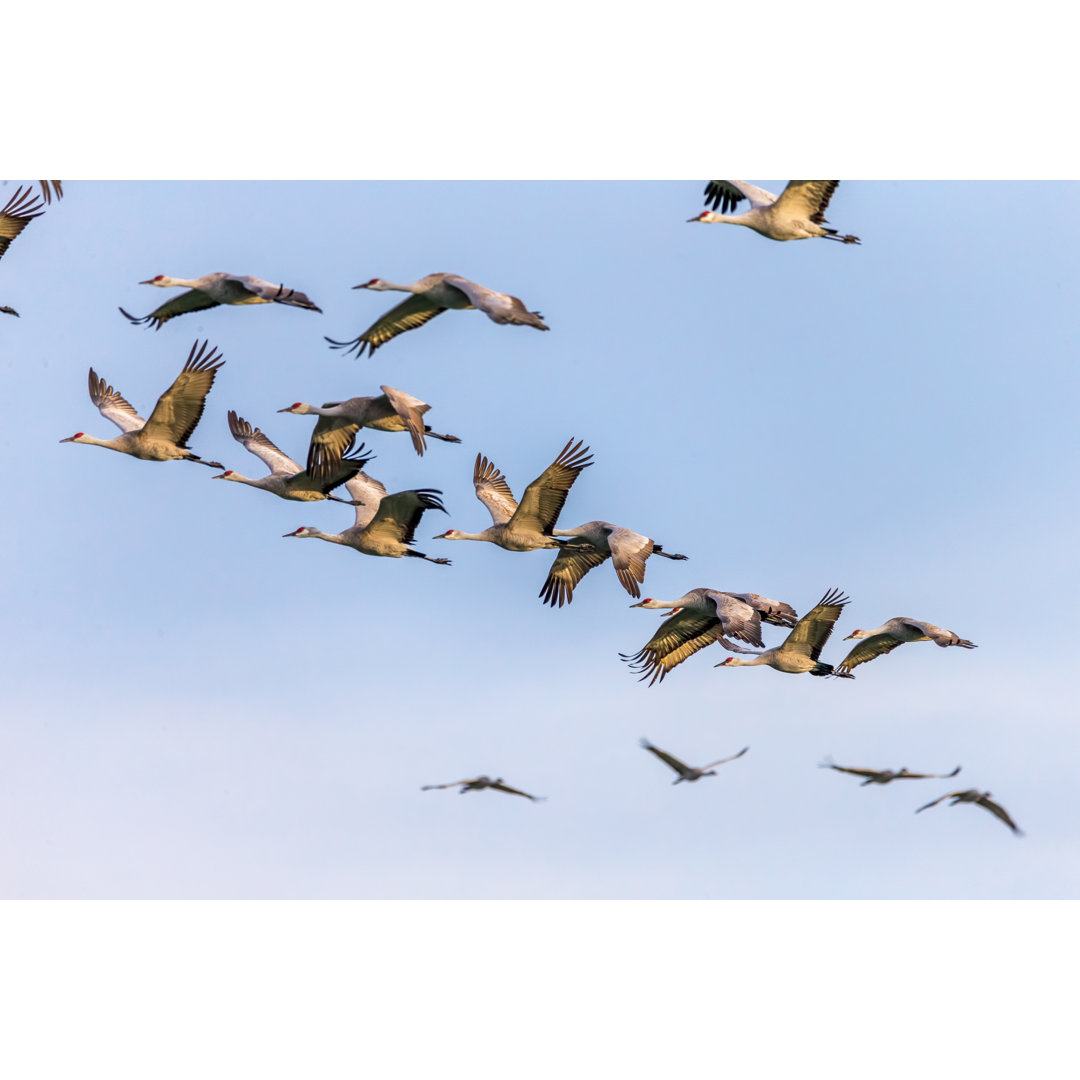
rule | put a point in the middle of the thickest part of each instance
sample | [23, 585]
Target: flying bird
[431, 296]
[891, 635]
[980, 798]
[164, 436]
[526, 526]
[392, 410]
[802, 647]
[214, 289]
[478, 783]
[688, 772]
[886, 776]
[385, 524]
[798, 213]
[286, 479]
[599, 541]
[18, 212]
[701, 618]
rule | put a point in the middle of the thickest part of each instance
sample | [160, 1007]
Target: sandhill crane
[798, 213]
[802, 647]
[478, 783]
[599, 541]
[979, 798]
[432, 295]
[392, 410]
[287, 480]
[892, 634]
[688, 772]
[886, 776]
[385, 524]
[18, 212]
[524, 527]
[700, 618]
[214, 289]
[164, 436]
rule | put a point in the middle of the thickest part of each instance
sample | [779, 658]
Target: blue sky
[199, 708]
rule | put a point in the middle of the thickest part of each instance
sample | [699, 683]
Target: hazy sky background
[196, 707]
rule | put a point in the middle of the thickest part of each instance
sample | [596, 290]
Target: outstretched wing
[192, 300]
[48, 187]
[629, 550]
[368, 494]
[545, 497]
[806, 199]
[725, 195]
[572, 563]
[439, 787]
[939, 636]
[255, 442]
[1000, 813]
[178, 410]
[668, 759]
[411, 410]
[680, 636]
[408, 315]
[113, 406]
[500, 786]
[844, 768]
[725, 760]
[868, 649]
[276, 294]
[906, 774]
[947, 795]
[493, 490]
[19, 211]
[813, 629]
[398, 515]
[775, 612]
[497, 306]
[739, 619]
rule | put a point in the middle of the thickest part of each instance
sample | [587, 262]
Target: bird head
[79, 436]
[726, 663]
[228, 474]
[450, 534]
[648, 602]
[856, 634]
[706, 216]
[376, 283]
[298, 407]
[160, 279]
[304, 530]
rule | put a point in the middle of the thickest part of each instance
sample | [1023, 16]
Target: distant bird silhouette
[797, 214]
[688, 772]
[214, 289]
[432, 295]
[886, 776]
[478, 783]
[979, 798]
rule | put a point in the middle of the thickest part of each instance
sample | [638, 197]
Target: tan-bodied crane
[979, 798]
[385, 524]
[886, 776]
[164, 436]
[526, 526]
[800, 651]
[597, 542]
[798, 213]
[392, 410]
[891, 635]
[431, 296]
[701, 618]
[286, 479]
[210, 290]
[478, 783]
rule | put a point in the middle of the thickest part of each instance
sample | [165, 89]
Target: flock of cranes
[386, 523]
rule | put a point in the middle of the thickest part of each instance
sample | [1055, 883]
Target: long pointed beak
[70, 438]
[642, 604]
[148, 282]
[283, 535]
[849, 637]
[220, 476]
[359, 286]
[689, 220]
